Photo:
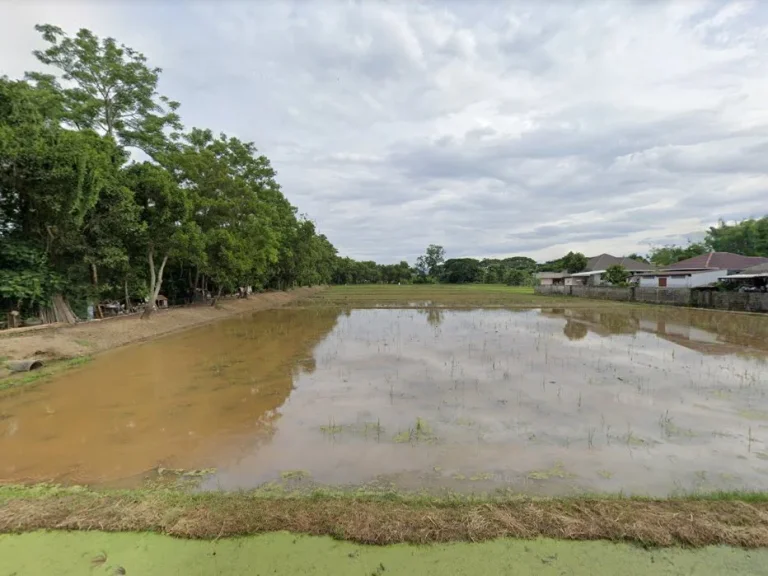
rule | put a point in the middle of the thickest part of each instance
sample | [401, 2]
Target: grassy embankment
[733, 518]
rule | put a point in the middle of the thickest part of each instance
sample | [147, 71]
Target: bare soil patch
[64, 341]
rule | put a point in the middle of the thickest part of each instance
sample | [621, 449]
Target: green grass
[182, 494]
[446, 296]
[431, 295]
[41, 375]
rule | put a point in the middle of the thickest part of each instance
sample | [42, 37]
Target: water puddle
[551, 401]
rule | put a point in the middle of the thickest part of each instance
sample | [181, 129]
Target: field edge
[696, 520]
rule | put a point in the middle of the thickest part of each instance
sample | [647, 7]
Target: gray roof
[605, 261]
[718, 261]
[759, 269]
[550, 275]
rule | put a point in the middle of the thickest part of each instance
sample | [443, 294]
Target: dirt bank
[92, 337]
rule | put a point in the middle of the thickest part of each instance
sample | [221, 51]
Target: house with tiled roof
[700, 270]
[593, 274]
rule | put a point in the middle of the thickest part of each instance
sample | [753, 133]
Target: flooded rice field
[543, 401]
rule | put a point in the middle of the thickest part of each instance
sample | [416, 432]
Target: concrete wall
[670, 296]
[747, 301]
[554, 290]
[602, 292]
[687, 281]
[743, 301]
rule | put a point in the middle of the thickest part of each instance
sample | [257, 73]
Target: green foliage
[428, 264]
[669, 254]
[75, 216]
[617, 275]
[638, 258]
[112, 88]
[572, 263]
[575, 262]
[25, 276]
[748, 237]
[518, 277]
[461, 271]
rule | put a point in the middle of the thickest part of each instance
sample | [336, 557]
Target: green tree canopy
[428, 264]
[617, 275]
[748, 237]
[109, 88]
[669, 254]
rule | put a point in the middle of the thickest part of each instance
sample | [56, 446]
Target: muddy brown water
[550, 401]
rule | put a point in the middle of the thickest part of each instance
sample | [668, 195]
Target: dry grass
[691, 523]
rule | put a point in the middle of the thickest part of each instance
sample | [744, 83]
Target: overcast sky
[494, 129]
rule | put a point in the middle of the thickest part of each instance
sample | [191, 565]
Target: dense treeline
[81, 216]
[748, 237]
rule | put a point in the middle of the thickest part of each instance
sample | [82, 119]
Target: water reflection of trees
[703, 330]
[434, 315]
[575, 330]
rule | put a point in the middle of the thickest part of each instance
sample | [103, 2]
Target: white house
[551, 278]
[680, 279]
[699, 271]
[593, 272]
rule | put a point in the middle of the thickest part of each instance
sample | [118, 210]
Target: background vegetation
[105, 195]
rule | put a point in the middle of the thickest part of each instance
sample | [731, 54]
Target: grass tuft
[43, 374]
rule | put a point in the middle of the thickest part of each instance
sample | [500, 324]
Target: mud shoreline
[59, 342]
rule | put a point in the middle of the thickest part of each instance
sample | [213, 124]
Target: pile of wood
[58, 311]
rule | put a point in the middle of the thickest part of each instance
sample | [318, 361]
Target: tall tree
[429, 263]
[574, 262]
[113, 90]
[225, 180]
[166, 228]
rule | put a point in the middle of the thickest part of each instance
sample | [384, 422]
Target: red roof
[718, 261]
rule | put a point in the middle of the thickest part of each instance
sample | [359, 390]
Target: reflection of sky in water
[526, 399]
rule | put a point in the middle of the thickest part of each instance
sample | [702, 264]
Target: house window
[663, 282]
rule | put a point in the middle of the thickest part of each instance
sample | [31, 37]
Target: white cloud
[493, 128]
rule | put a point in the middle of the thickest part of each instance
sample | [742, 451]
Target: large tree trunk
[155, 282]
[95, 281]
[127, 297]
[216, 298]
[193, 285]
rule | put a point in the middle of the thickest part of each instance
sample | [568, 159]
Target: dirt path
[93, 337]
